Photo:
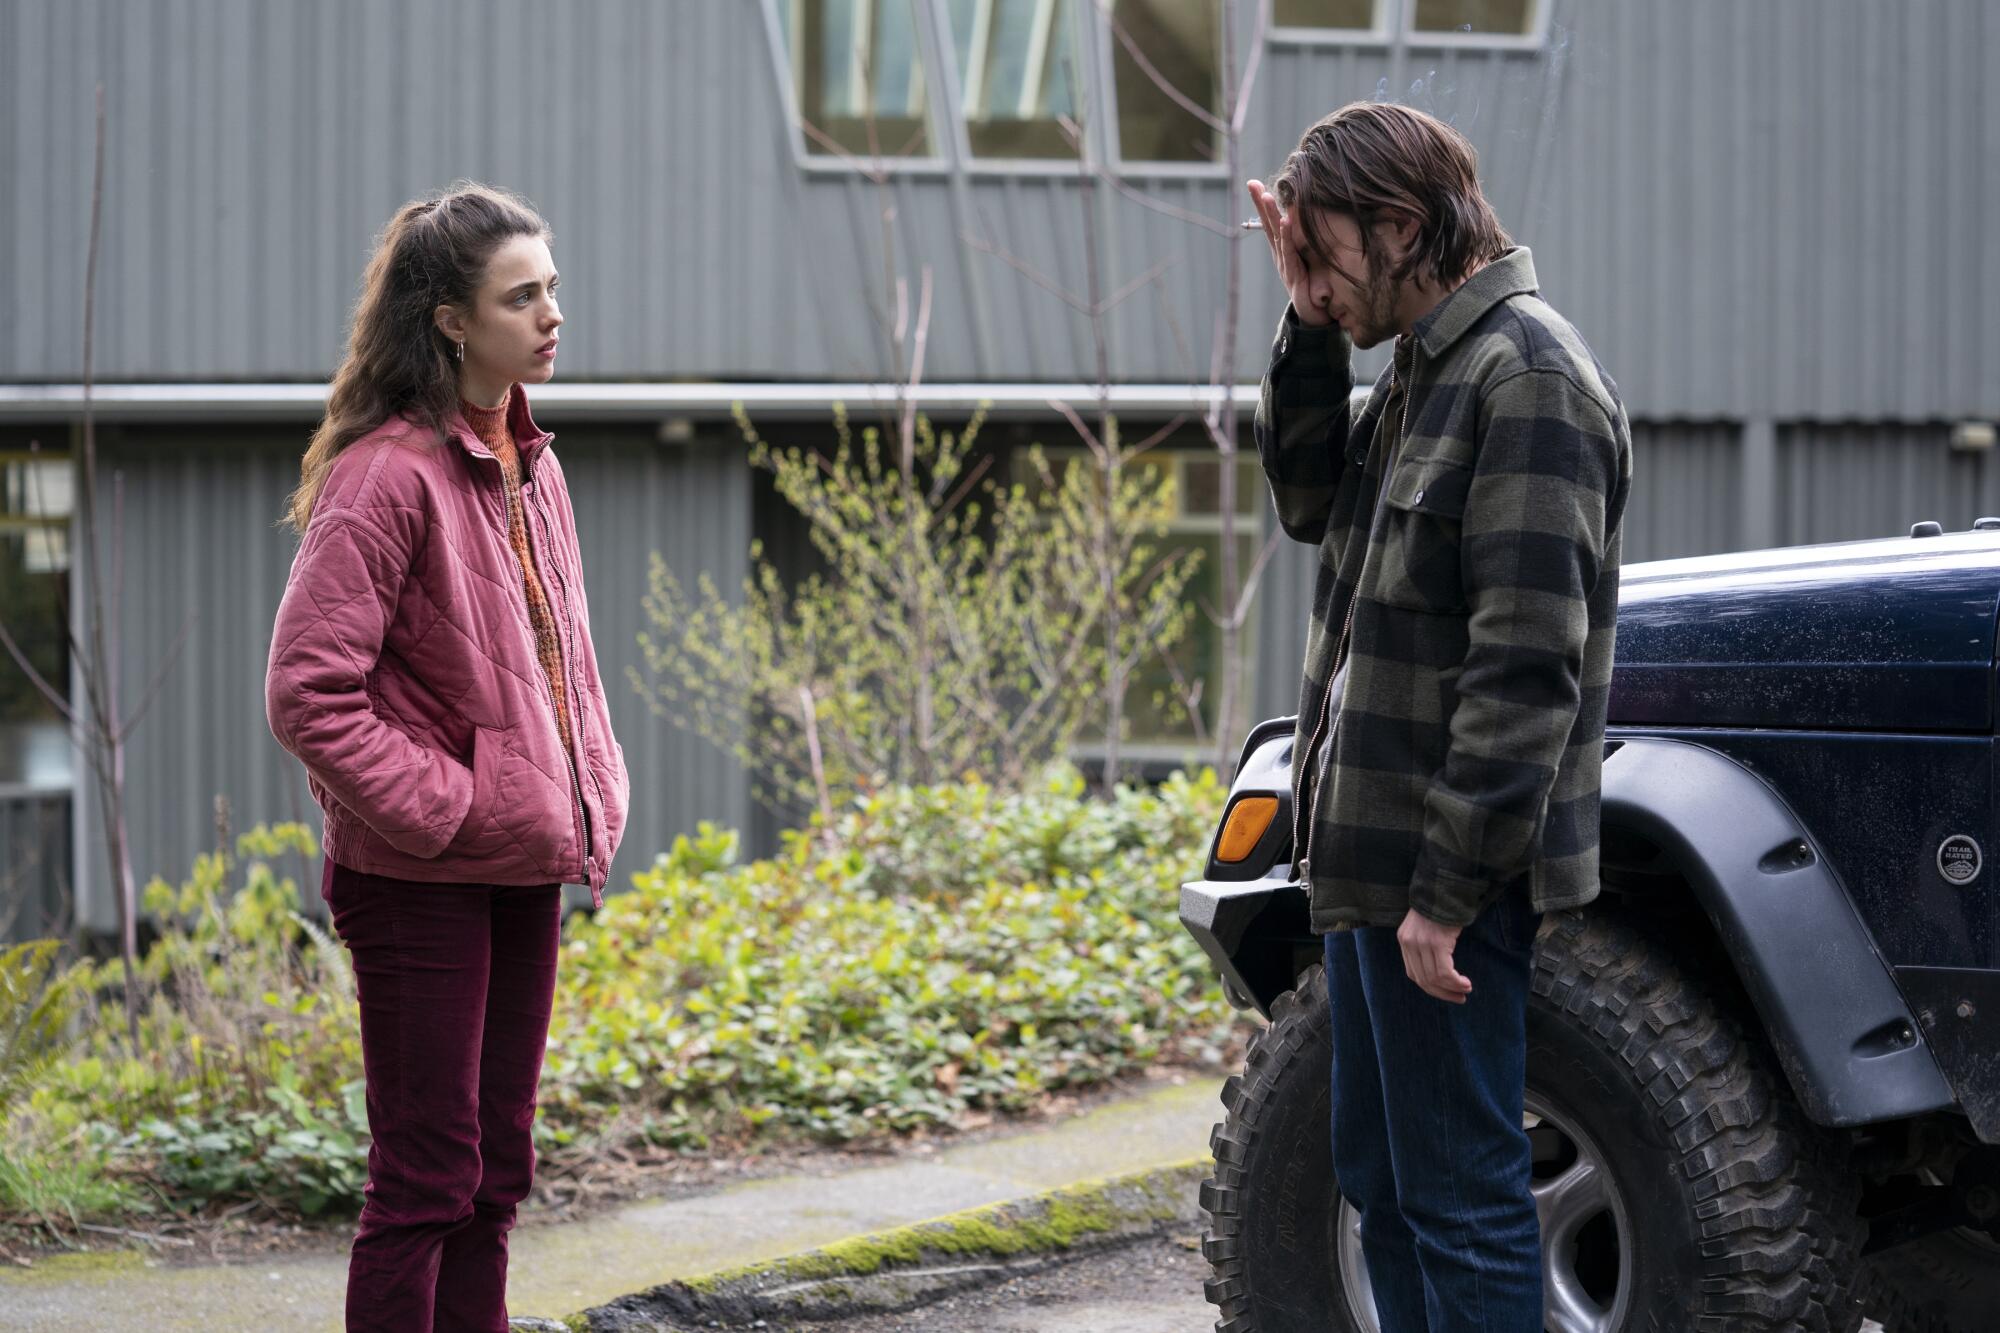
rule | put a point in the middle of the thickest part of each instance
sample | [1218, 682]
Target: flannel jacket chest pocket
[1422, 513]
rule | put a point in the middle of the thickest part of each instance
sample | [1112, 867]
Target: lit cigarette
[1254, 224]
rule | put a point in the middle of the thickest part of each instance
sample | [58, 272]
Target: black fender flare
[1842, 1031]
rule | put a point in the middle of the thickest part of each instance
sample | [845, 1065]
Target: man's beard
[1377, 323]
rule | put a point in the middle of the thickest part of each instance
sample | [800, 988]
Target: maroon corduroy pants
[456, 983]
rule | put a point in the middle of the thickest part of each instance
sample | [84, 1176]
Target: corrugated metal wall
[1285, 606]
[1842, 482]
[1770, 210]
[1686, 489]
[196, 551]
[200, 549]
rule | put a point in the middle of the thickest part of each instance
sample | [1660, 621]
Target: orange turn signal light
[1248, 819]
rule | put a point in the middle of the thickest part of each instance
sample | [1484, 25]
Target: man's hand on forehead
[1288, 253]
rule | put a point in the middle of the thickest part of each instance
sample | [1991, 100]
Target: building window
[857, 76]
[1150, 711]
[1017, 75]
[1359, 16]
[1475, 19]
[34, 606]
[1182, 41]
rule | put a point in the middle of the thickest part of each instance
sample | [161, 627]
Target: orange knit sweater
[490, 425]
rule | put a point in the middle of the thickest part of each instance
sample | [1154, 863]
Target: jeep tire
[1721, 1206]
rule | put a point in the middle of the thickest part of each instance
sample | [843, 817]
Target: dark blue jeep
[1764, 1067]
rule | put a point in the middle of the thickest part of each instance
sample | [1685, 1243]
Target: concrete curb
[890, 1271]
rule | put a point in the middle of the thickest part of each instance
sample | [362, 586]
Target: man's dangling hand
[1427, 950]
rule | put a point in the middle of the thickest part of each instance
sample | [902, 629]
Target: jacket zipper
[575, 787]
[577, 767]
[1303, 870]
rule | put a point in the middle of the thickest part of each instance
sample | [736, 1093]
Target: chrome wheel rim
[1586, 1233]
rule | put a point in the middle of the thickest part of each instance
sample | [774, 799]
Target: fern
[332, 958]
[33, 1009]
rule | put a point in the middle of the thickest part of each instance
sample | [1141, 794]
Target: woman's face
[511, 330]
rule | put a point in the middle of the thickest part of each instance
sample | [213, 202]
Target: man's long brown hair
[1373, 159]
[433, 252]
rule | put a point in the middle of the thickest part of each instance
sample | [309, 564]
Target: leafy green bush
[48, 1185]
[317, 1155]
[245, 1081]
[33, 1010]
[964, 948]
[930, 952]
[45, 1178]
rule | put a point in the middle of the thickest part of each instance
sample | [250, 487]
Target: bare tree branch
[106, 749]
[1160, 81]
[1249, 594]
[1028, 271]
[1145, 200]
[1119, 297]
[159, 679]
[1049, 285]
[978, 470]
[1190, 694]
[1161, 435]
[1077, 424]
[49, 693]
[916, 378]
[1250, 70]
[810, 715]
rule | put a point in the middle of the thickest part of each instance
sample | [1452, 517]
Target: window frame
[974, 165]
[1107, 108]
[1382, 34]
[1395, 24]
[59, 532]
[1531, 40]
[1095, 44]
[28, 523]
[808, 155]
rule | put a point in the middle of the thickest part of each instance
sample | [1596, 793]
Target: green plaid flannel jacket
[1465, 754]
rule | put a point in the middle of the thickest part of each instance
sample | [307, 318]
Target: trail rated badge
[1959, 859]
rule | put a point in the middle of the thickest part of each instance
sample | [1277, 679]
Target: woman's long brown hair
[433, 252]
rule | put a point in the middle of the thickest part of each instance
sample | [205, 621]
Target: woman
[432, 667]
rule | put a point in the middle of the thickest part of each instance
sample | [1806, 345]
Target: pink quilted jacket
[404, 675]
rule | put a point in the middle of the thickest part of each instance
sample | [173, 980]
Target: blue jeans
[1427, 1138]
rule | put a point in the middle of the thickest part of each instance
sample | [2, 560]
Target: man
[1450, 738]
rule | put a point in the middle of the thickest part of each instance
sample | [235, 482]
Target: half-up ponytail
[433, 252]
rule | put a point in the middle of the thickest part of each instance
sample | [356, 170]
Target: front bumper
[1257, 932]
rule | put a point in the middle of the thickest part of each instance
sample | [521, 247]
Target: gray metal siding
[1845, 482]
[1768, 210]
[1284, 607]
[1686, 484]
[199, 510]
[198, 551]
